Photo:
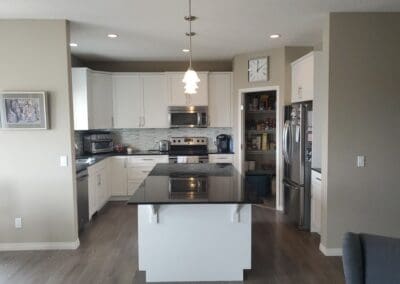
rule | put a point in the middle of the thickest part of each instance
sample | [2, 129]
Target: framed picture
[23, 110]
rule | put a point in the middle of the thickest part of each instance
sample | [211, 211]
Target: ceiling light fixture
[191, 79]
[185, 50]
[274, 36]
[112, 35]
[73, 44]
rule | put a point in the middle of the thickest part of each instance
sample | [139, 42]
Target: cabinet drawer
[146, 160]
[133, 186]
[138, 172]
[221, 158]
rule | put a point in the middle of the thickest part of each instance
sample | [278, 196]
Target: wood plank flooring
[108, 254]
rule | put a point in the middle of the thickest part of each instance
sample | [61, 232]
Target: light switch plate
[63, 161]
[360, 161]
[18, 223]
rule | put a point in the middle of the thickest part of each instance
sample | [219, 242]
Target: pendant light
[191, 79]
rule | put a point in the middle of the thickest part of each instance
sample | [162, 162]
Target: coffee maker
[224, 143]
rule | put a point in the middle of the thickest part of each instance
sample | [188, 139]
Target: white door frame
[279, 121]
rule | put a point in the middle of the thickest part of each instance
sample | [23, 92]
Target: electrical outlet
[18, 223]
[360, 161]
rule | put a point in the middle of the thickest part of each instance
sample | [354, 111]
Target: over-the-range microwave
[188, 116]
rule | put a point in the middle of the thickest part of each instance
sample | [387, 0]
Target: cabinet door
[316, 202]
[220, 158]
[303, 78]
[128, 101]
[118, 176]
[177, 96]
[80, 98]
[201, 98]
[155, 101]
[219, 86]
[101, 110]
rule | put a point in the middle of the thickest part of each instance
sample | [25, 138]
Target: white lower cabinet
[138, 168]
[220, 158]
[316, 201]
[118, 177]
[99, 188]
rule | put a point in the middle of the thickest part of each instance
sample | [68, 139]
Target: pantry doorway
[260, 135]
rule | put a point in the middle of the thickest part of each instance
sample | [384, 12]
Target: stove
[192, 150]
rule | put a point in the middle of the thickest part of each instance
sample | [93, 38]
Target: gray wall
[157, 66]
[34, 55]
[364, 118]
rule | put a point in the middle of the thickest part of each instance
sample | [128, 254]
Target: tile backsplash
[147, 139]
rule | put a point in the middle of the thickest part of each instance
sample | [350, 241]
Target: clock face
[258, 69]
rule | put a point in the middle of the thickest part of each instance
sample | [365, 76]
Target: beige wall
[34, 55]
[279, 74]
[364, 118]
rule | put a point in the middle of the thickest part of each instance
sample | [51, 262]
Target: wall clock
[258, 69]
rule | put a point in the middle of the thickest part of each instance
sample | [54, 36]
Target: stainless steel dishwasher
[83, 198]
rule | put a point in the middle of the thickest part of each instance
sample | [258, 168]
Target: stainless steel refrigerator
[297, 147]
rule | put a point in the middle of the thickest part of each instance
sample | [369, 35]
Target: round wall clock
[258, 69]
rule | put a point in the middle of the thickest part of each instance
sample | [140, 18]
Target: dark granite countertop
[316, 169]
[212, 152]
[95, 158]
[195, 184]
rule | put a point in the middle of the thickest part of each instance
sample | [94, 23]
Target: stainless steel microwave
[190, 116]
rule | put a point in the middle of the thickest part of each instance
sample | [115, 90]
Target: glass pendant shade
[191, 79]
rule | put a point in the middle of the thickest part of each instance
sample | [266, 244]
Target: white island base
[200, 242]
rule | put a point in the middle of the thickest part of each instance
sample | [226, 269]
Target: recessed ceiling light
[185, 50]
[112, 35]
[73, 44]
[275, 36]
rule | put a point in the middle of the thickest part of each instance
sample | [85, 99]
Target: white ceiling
[154, 29]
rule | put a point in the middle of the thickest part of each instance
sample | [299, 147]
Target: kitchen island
[194, 223]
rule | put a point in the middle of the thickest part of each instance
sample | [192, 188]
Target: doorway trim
[279, 121]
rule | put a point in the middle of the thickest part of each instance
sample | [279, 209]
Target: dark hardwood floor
[108, 254]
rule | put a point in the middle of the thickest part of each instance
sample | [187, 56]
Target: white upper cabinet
[303, 78]
[102, 99]
[92, 99]
[128, 103]
[220, 96]
[155, 101]
[176, 92]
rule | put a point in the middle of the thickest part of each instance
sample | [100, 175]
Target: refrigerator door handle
[285, 140]
[291, 185]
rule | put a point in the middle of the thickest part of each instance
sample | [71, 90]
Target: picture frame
[24, 110]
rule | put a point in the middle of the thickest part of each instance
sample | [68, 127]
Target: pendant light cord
[190, 34]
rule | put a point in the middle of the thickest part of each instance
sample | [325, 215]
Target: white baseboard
[330, 251]
[39, 246]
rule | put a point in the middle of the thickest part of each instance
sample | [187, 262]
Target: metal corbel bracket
[236, 213]
[154, 216]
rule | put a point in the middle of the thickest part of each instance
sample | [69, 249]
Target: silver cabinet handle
[147, 159]
[317, 178]
[144, 121]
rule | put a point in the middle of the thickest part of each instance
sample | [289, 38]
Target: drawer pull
[317, 178]
[147, 159]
